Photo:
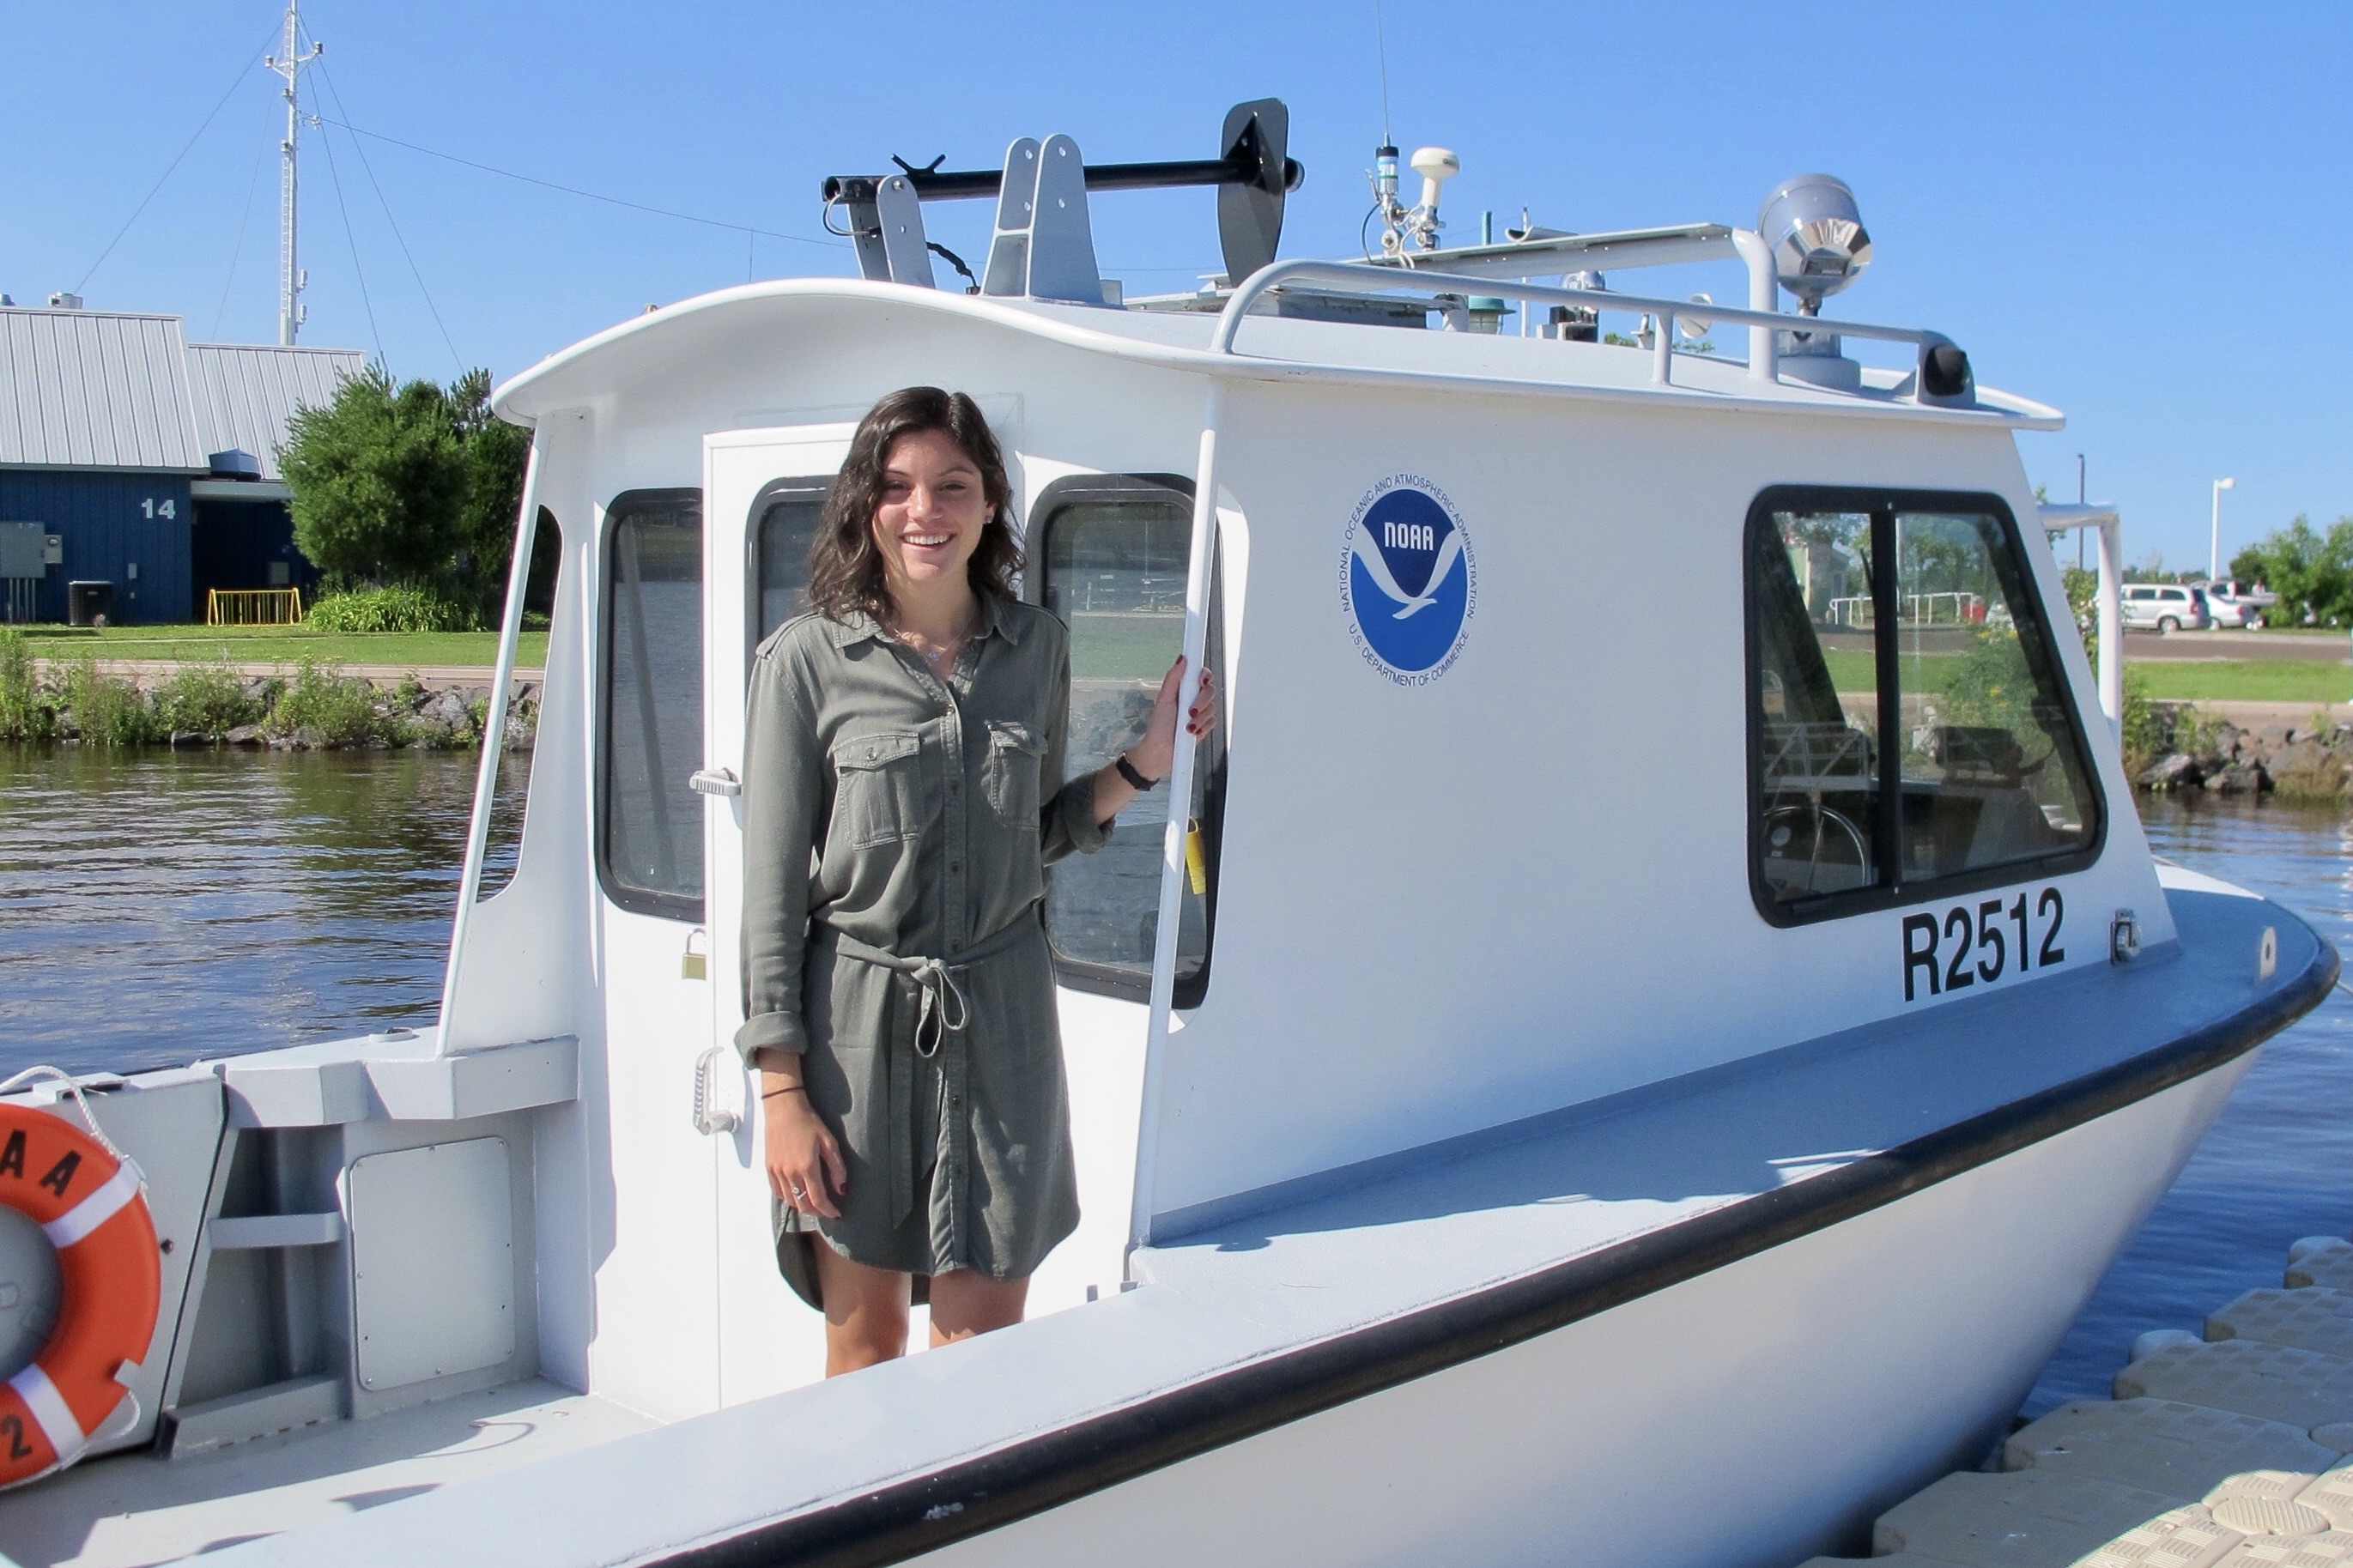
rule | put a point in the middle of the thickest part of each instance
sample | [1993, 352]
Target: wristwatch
[1141, 785]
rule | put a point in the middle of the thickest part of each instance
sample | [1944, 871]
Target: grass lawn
[2176, 680]
[2251, 681]
[282, 645]
[1125, 645]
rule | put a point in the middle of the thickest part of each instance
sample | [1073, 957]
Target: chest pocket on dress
[875, 788]
[1016, 755]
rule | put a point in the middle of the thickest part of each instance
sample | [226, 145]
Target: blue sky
[2136, 213]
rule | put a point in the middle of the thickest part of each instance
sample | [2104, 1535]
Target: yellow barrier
[253, 606]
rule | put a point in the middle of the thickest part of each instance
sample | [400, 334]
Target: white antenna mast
[291, 280]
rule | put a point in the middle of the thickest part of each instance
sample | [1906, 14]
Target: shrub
[398, 608]
[2312, 572]
[204, 699]
[394, 609]
[109, 712]
[26, 712]
[2153, 729]
[339, 708]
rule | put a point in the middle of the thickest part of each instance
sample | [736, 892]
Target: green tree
[378, 480]
[2311, 572]
[411, 485]
[495, 453]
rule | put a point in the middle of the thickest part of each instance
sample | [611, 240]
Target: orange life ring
[88, 1205]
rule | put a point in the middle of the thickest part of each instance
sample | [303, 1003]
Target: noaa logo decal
[1407, 583]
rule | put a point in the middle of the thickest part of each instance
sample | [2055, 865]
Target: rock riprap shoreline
[314, 707]
[2183, 749]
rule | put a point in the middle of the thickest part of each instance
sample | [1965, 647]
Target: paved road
[2334, 647]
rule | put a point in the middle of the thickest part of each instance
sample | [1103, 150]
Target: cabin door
[763, 490]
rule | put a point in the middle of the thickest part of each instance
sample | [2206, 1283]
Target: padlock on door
[696, 964]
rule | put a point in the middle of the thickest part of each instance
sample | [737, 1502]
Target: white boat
[1647, 1074]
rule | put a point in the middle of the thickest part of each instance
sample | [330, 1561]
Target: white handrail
[1198, 590]
[1389, 280]
[1764, 294]
[2109, 600]
[494, 734]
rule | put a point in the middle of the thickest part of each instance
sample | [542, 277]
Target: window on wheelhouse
[502, 851]
[784, 521]
[1108, 555]
[649, 821]
[1912, 730]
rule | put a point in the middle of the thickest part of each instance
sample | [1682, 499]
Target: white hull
[1752, 1416]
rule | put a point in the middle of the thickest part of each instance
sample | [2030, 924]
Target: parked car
[2167, 606]
[2236, 604]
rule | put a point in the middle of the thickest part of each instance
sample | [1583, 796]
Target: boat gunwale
[937, 1507]
[1995, 409]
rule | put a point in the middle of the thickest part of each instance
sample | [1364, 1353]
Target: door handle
[711, 1118]
[714, 781]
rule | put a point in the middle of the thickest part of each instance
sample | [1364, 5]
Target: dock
[2233, 1450]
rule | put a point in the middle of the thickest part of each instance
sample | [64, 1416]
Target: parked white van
[2167, 606]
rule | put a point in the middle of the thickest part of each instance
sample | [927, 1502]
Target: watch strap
[1141, 785]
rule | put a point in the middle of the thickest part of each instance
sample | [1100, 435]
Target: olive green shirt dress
[896, 832]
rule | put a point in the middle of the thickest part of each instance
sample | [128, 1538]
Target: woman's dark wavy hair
[845, 564]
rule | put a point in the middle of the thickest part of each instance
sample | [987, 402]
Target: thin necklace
[947, 650]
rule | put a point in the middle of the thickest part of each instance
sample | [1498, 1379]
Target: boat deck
[132, 1509]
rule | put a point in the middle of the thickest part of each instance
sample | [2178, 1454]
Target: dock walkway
[2226, 1452]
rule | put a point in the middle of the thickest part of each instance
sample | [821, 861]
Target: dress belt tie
[944, 1010]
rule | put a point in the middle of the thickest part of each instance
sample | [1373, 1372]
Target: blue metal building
[150, 463]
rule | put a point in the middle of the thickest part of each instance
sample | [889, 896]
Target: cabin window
[784, 521]
[1912, 735]
[1108, 555]
[649, 838]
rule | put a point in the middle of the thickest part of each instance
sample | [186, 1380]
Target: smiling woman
[903, 792]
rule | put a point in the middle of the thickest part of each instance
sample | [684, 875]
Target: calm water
[156, 907]
[166, 906]
[2279, 1163]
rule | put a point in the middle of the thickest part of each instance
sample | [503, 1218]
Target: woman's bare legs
[968, 1303]
[865, 1311]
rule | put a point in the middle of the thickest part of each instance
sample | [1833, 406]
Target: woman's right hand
[805, 1163]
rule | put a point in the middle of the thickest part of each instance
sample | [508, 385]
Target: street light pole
[2214, 556]
[2079, 501]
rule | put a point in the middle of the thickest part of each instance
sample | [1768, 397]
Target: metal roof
[246, 395]
[88, 389]
[96, 389]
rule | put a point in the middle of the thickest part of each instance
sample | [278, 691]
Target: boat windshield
[1911, 722]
